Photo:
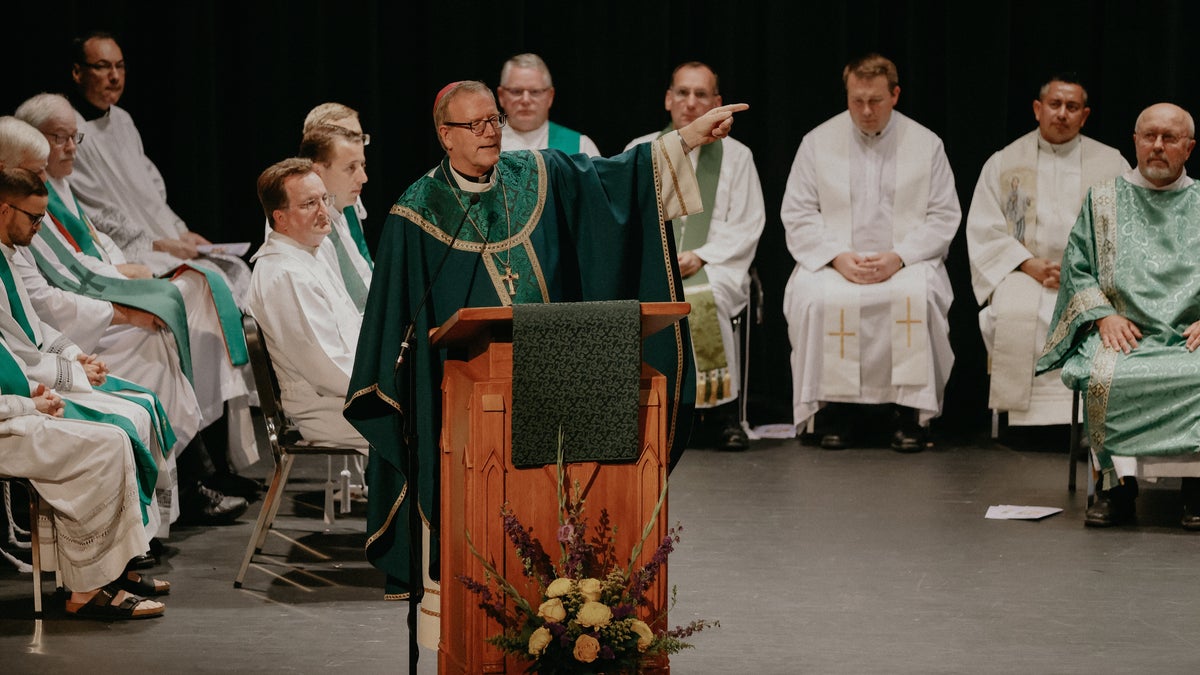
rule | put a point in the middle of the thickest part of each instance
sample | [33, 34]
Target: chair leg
[35, 546]
[266, 516]
[995, 424]
[1074, 450]
[329, 488]
[344, 505]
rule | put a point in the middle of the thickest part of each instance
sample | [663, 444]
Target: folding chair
[38, 521]
[285, 444]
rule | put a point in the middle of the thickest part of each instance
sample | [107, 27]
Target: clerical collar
[1135, 177]
[470, 184]
[1058, 148]
[85, 107]
[873, 138]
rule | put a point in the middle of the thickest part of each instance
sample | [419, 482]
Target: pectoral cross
[908, 321]
[510, 279]
[841, 333]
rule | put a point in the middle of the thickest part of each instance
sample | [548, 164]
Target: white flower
[539, 641]
[645, 635]
[590, 589]
[558, 588]
[594, 615]
[552, 610]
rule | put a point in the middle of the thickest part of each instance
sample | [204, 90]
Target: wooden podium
[478, 478]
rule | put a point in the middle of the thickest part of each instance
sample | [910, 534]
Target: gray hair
[19, 140]
[466, 86]
[37, 110]
[1187, 119]
[525, 61]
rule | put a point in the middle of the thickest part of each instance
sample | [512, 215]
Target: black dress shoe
[835, 441]
[909, 435]
[1190, 491]
[1113, 507]
[236, 486]
[734, 439]
[141, 562]
[206, 506]
[1191, 519]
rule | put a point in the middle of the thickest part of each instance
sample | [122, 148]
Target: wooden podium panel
[479, 478]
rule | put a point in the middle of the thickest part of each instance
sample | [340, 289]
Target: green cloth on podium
[576, 367]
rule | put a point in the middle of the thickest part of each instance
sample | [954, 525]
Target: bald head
[1164, 138]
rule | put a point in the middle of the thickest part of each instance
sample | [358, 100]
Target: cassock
[85, 472]
[549, 135]
[66, 271]
[1132, 252]
[311, 327]
[126, 196]
[725, 235]
[548, 228]
[874, 343]
[1025, 203]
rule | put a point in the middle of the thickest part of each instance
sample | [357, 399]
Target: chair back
[265, 382]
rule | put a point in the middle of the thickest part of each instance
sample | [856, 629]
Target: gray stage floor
[858, 561]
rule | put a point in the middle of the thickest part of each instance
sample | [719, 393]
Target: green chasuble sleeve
[561, 229]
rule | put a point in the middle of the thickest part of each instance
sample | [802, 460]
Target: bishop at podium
[546, 227]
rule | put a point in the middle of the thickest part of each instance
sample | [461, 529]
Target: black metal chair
[285, 441]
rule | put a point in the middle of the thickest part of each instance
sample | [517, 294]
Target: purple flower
[606, 653]
[566, 532]
[622, 612]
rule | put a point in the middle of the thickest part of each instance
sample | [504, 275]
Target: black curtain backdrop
[219, 91]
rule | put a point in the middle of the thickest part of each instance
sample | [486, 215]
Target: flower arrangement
[587, 619]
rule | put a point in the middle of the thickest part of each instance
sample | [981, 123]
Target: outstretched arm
[711, 126]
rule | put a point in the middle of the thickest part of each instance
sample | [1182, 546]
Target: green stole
[14, 299]
[350, 278]
[13, 381]
[691, 232]
[146, 294]
[562, 138]
[356, 231]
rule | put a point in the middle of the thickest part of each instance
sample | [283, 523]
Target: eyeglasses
[1148, 138]
[105, 66]
[366, 139]
[533, 93]
[701, 95]
[35, 219]
[477, 127]
[59, 140]
[326, 199]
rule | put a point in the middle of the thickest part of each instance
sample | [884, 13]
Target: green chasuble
[560, 229]
[1132, 252]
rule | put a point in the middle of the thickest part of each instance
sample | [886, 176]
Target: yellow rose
[552, 610]
[558, 588]
[586, 648]
[539, 641]
[590, 590]
[645, 635]
[594, 615]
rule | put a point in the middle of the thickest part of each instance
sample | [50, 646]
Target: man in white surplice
[869, 212]
[337, 154]
[1025, 204]
[309, 322]
[526, 93]
[715, 247]
[117, 183]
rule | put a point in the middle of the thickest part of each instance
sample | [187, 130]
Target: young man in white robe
[715, 248]
[337, 155]
[869, 211]
[1025, 203]
[525, 94]
[119, 185]
[310, 324]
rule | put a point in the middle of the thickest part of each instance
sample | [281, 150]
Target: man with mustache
[1127, 322]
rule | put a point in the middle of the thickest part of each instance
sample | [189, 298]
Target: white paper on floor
[1010, 512]
[773, 431]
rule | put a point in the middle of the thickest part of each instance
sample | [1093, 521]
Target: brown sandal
[100, 606]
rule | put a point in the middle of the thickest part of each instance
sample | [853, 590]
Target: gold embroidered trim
[1087, 299]
[373, 388]
[395, 596]
[1104, 210]
[662, 148]
[429, 613]
[669, 265]
[1104, 363]
[537, 270]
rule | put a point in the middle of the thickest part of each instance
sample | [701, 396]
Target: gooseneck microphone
[406, 345]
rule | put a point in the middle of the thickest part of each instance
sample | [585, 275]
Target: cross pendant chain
[510, 278]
